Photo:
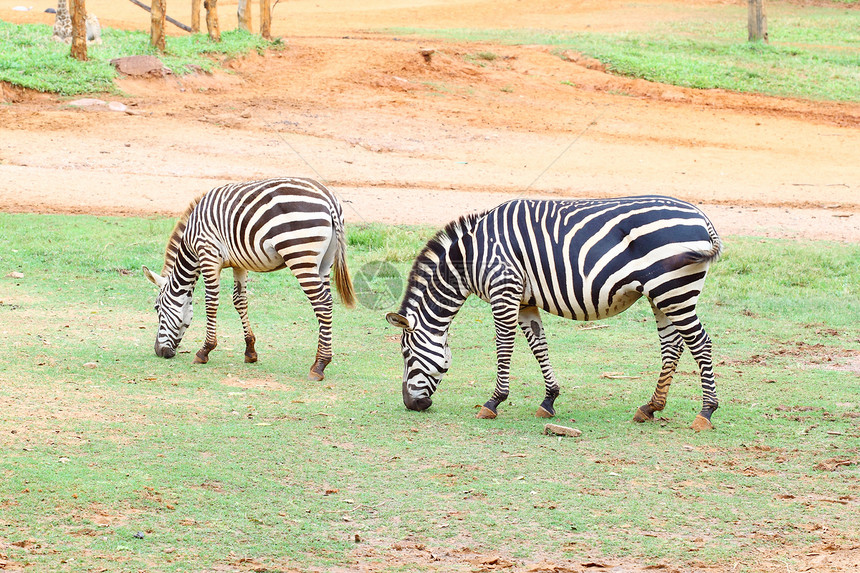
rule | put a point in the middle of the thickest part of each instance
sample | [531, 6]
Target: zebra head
[426, 359]
[175, 311]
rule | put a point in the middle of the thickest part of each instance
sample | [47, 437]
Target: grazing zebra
[255, 226]
[584, 260]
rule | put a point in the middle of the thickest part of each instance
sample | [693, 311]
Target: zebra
[579, 259]
[259, 226]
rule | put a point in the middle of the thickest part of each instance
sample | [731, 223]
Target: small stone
[88, 102]
[140, 66]
[557, 430]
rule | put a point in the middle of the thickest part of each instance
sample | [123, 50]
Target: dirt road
[403, 139]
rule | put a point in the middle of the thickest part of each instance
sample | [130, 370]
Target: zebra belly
[621, 301]
[262, 260]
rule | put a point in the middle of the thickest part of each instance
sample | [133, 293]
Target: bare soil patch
[409, 139]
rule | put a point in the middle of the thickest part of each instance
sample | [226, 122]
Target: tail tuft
[713, 254]
[342, 280]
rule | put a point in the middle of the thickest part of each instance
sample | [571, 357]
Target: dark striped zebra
[584, 260]
[257, 226]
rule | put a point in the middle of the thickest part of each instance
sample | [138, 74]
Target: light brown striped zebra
[260, 226]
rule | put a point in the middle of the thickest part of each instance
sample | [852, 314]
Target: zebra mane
[428, 259]
[176, 238]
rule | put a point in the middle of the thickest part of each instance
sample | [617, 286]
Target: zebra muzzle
[418, 405]
[164, 351]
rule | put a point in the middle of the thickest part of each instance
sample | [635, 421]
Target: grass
[814, 53]
[116, 459]
[31, 59]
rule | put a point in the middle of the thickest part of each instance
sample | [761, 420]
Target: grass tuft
[31, 59]
[814, 53]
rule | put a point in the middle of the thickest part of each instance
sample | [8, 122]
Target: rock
[557, 430]
[87, 102]
[93, 104]
[140, 66]
[674, 95]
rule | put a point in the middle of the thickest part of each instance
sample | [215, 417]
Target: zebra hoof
[201, 358]
[642, 416]
[544, 413]
[317, 372]
[250, 358]
[486, 414]
[701, 423]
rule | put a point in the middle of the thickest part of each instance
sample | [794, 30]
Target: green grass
[813, 53]
[31, 59]
[254, 467]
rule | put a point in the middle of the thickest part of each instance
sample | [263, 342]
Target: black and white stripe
[260, 226]
[584, 260]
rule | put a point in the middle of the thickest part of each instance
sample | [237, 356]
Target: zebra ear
[155, 279]
[398, 320]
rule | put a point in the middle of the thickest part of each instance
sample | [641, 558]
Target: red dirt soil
[405, 140]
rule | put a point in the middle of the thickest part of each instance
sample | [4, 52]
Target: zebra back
[245, 220]
[560, 248]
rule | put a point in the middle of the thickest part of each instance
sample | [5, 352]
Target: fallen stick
[168, 18]
[618, 376]
[593, 327]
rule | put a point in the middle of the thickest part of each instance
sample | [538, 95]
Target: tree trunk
[243, 11]
[212, 19]
[78, 14]
[159, 7]
[266, 19]
[756, 21]
[195, 15]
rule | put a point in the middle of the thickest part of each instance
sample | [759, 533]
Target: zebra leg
[505, 313]
[700, 345]
[240, 302]
[686, 322]
[212, 281]
[532, 327]
[319, 294]
[671, 348]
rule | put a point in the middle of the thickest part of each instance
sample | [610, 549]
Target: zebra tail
[711, 255]
[342, 280]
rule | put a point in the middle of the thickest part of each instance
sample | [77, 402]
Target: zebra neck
[439, 282]
[184, 270]
[435, 298]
